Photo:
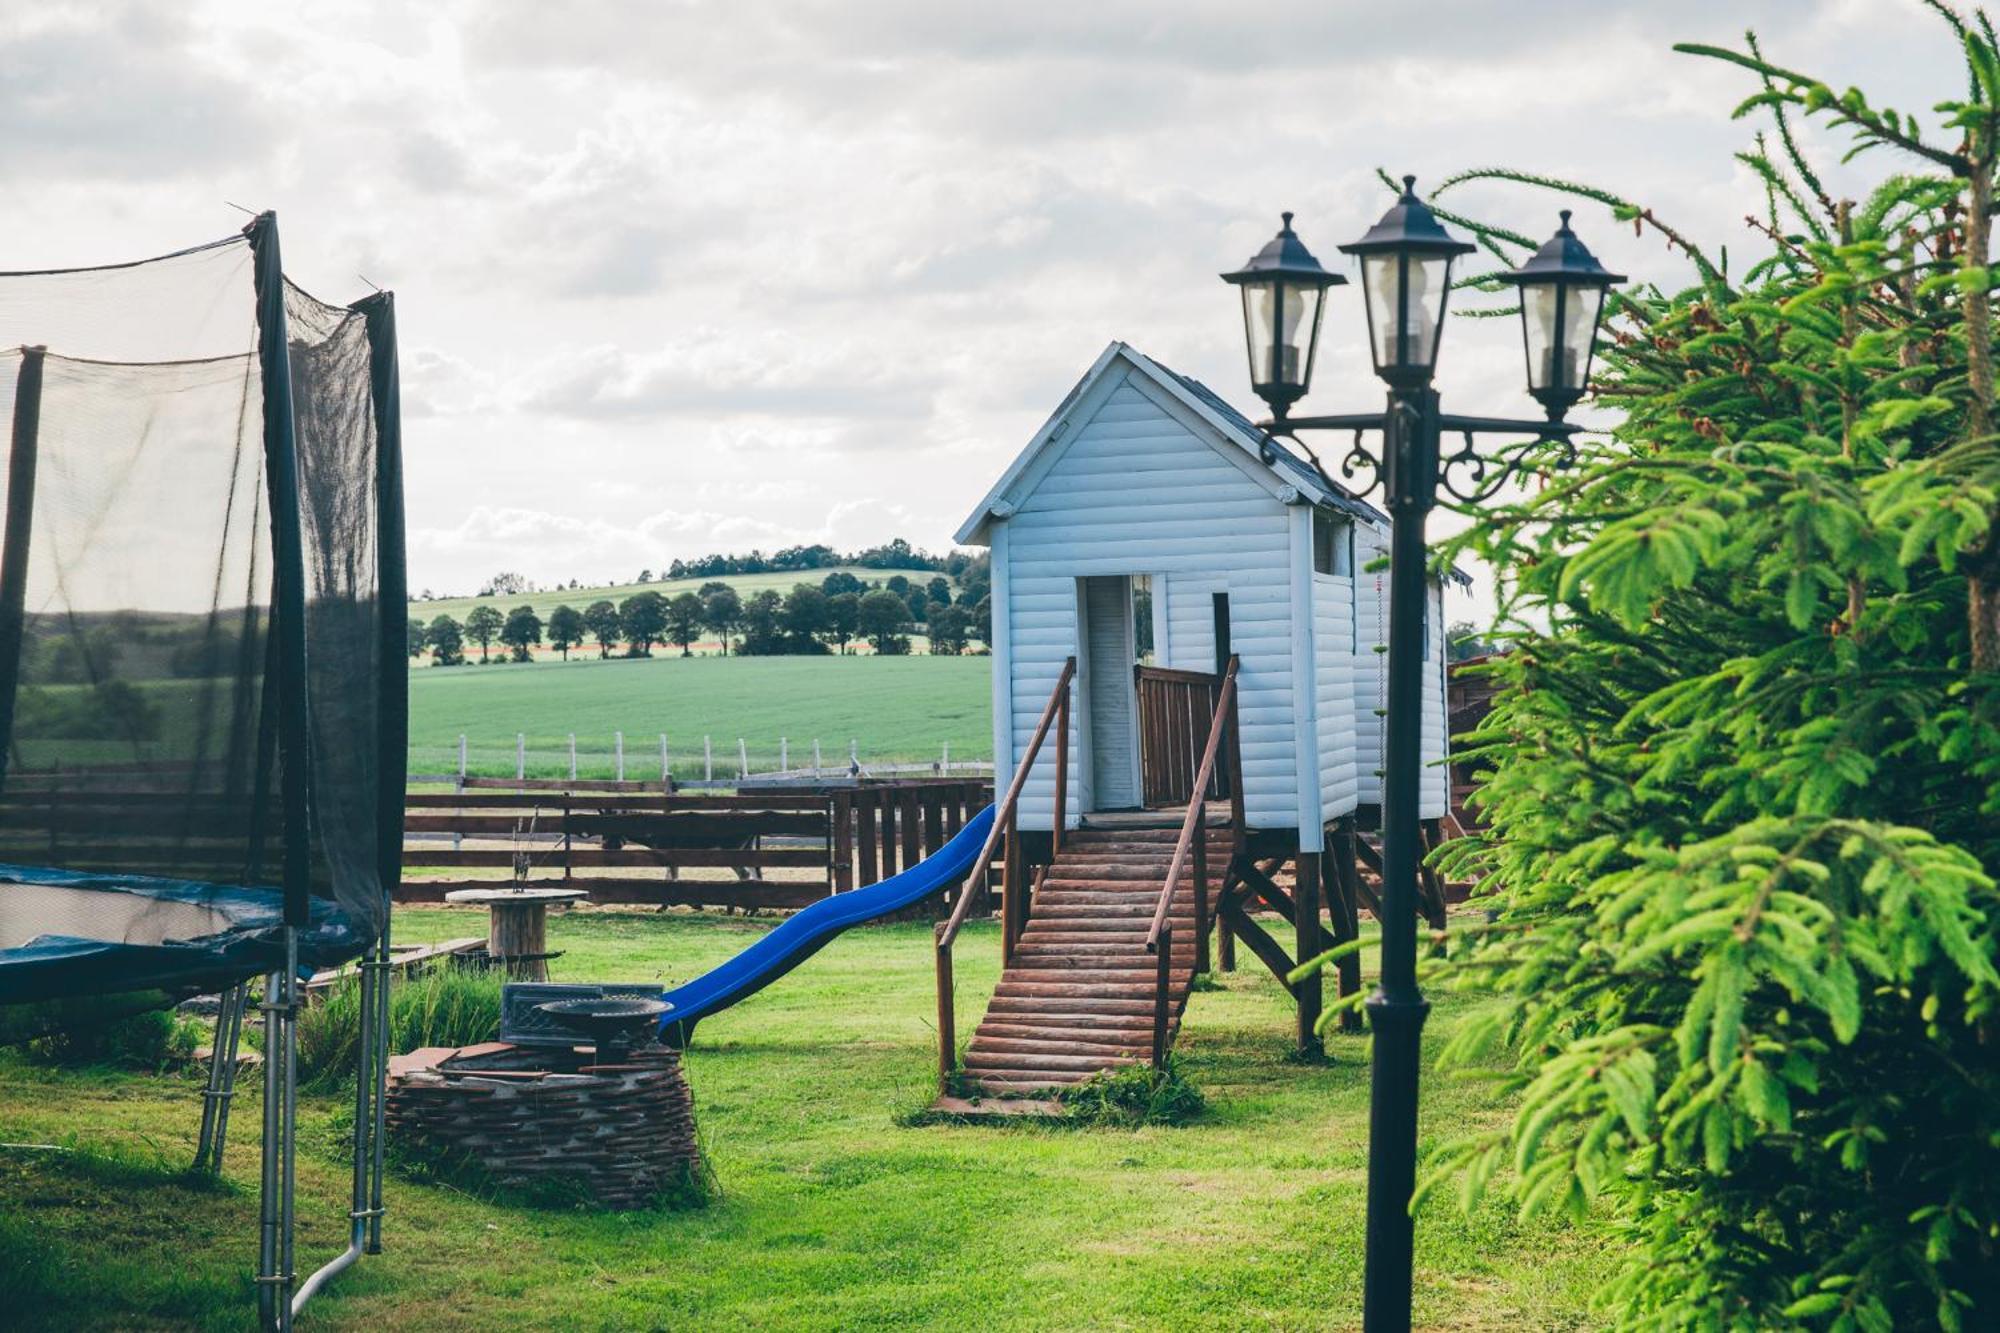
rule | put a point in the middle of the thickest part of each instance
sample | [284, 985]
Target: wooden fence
[584, 834]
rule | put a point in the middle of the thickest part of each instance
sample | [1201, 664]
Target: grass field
[745, 585]
[897, 708]
[831, 1216]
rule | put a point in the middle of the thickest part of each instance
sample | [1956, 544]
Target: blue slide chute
[808, 930]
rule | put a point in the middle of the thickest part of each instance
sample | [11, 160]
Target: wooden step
[1135, 1033]
[1121, 871]
[986, 1043]
[1069, 904]
[1042, 1062]
[1071, 1008]
[998, 1084]
[1112, 983]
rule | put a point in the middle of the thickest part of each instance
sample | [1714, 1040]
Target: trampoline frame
[281, 1294]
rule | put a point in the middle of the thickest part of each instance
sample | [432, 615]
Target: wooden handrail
[1225, 709]
[1003, 824]
[1003, 812]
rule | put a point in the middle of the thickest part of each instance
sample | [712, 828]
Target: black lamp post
[1406, 262]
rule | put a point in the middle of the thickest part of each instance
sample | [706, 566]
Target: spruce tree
[1743, 816]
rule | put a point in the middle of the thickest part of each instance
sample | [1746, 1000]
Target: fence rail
[707, 761]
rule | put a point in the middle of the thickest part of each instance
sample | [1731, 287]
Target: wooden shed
[1171, 585]
[1189, 659]
[1150, 530]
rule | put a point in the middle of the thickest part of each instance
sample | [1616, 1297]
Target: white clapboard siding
[1371, 661]
[1333, 646]
[1371, 668]
[1436, 794]
[1134, 488]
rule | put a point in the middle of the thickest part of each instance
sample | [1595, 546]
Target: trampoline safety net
[201, 623]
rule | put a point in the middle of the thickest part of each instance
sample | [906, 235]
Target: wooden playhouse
[1172, 585]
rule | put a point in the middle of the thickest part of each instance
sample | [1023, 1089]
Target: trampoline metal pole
[381, 1035]
[221, 1080]
[268, 1296]
[229, 1071]
[367, 1071]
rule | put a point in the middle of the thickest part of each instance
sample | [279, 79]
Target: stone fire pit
[622, 1133]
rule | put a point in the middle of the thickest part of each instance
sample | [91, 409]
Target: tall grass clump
[445, 1006]
[155, 1040]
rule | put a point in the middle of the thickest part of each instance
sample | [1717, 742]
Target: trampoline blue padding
[68, 932]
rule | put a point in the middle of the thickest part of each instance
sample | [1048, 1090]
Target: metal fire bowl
[610, 1024]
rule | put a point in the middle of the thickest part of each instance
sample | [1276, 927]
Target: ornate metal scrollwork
[1360, 457]
[1473, 478]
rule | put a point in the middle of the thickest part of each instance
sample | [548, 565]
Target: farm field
[745, 584]
[831, 1214]
[897, 708]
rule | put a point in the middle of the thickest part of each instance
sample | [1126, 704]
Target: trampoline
[203, 671]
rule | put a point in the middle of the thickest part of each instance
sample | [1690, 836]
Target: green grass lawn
[831, 1216]
[745, 585]
[897, 708]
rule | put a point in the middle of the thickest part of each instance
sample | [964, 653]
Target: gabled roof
[1230, 427]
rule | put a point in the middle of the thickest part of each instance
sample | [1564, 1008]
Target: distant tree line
[893, 554]
[813, 618]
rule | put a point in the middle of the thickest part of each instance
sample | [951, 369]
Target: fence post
[944, 764]
[618, 743]
[841, 844]
[520, 756]
[853, 756]
[816, 763]
[742, 758]
[784, 755]
[666, 769]
[707, 760]
[461, 761]
[572, 756]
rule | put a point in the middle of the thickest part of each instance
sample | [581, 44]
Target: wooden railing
[1176, 709]
[1194, 840]
[1005, 830]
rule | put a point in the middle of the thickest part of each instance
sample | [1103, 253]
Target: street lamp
[1406, 261]
[1405, 277]
[1562, 299]
[1284, 290]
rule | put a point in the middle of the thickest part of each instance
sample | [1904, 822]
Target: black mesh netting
[142, 799]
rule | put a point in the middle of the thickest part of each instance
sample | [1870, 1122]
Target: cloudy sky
[678, 276]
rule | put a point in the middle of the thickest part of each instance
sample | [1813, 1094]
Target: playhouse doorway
[1111, 648]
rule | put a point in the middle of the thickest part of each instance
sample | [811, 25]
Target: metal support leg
[371, 1067]
[221, 1089]
[275, 1212]
[270, 1297]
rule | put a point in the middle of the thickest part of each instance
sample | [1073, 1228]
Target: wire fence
[695, 761]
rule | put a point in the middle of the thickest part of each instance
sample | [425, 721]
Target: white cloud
[698, 274]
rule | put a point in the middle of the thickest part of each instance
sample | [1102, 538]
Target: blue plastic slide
[808, 930]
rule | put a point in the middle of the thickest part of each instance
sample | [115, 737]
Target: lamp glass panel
[1297, 321]
[1403, 316]
[1559, 343]
[1259, 328]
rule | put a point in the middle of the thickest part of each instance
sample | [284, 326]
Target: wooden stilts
[1225, 939]
[1431, 899]
[1307, 991]
[1344, 900]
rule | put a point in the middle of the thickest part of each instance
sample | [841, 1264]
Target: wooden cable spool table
[517, 926]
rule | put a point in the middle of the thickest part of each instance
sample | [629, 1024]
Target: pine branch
[1623, 209]
[1792, 150]
[1815, 97]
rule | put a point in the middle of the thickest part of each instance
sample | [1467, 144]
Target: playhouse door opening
[1111, 647]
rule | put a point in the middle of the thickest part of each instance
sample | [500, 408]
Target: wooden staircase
[1080, 994]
